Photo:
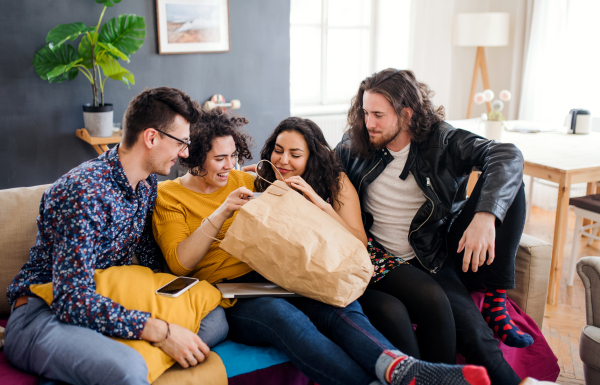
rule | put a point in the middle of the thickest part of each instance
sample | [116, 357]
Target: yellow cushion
[134, 287]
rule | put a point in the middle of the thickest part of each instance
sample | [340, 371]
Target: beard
[160, 167]
[385, 139]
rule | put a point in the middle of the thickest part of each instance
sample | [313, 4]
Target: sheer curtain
[562, 61]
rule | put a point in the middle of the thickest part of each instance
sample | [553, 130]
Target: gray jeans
[36, 342]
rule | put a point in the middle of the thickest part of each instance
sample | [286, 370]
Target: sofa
[588, 269]
[19, 209]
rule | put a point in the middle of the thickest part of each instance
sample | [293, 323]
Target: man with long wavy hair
[411, 169]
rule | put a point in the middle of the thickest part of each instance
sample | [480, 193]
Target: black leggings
[407, 295]
[474, 339]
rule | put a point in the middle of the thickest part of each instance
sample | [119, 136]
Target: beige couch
[19, 209]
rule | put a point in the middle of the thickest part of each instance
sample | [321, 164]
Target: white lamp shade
[487, 29]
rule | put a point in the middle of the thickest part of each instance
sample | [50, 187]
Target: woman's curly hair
[323, 166]
[215, 124]
[401, 89]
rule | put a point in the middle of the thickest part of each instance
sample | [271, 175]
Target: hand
[249, 168]
[478, 240]
[235, 201]
[182, 345]
[300, 184]
[185, 346]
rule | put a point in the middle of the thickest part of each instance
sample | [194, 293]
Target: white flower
[479, 98]
[497, 105]
[505, 95]
[484, 117]
[489, 95]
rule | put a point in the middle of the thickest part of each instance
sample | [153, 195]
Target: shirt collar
[111, 157]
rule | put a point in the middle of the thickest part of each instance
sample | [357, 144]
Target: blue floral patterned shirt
[91, 218]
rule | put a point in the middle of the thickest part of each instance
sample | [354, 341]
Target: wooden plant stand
[100, 144]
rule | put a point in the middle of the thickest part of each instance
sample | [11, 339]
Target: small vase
[493, 130]
[98, 120]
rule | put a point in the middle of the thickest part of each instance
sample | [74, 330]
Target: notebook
[253, 290]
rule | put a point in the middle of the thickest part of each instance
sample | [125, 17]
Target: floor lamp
[488, 29]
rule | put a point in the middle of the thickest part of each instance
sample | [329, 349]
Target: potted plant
[494, 120]
[96, 57]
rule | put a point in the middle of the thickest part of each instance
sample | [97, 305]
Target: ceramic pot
[493, 130]
[98, 120]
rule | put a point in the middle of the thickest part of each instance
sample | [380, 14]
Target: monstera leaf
[112, 69]
[125, 32]
[63, 32]
[108, 3]
[56, 66]
[85, 51]
[111, 49]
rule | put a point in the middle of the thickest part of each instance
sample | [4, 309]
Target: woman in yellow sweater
[330, 345]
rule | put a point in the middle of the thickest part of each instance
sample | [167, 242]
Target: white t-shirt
[393, 202]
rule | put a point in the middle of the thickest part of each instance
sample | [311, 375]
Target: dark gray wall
[38, 120]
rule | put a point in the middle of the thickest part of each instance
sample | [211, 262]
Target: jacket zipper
[363, 178]
[430, 214]
[431, 187]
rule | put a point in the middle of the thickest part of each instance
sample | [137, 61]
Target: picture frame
[192, 26]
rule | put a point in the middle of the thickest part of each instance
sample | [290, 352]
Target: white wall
[448, 70]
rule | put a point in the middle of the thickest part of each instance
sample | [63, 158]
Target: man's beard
[384, 140]
[153, 166]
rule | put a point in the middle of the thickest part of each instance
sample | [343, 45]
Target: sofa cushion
[532, 273]
[18, 228]
[589, 346]
[134, 288]
[209, 372]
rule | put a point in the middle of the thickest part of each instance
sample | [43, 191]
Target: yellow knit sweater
[179, 212]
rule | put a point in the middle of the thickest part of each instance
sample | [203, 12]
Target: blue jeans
[331, 345]
[36, 342]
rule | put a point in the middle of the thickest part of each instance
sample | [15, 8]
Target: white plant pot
[493, 130]
[98, 121]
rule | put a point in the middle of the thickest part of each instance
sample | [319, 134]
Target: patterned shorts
[382, 260]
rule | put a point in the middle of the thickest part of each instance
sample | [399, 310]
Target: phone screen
[256, 195]
[176, 285]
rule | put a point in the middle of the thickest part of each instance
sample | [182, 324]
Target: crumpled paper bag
[291, 242]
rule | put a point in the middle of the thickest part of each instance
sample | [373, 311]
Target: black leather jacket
[441, 166]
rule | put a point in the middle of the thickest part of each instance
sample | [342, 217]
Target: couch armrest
[532, 275]
[588, 269]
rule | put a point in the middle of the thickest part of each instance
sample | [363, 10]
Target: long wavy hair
[323, 166]
[215, 124]
[401, 89]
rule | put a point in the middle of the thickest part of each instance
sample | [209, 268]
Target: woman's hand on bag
[235, 201]
[300, 184]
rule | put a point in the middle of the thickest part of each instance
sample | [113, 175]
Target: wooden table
[100, 144]
[561, 158]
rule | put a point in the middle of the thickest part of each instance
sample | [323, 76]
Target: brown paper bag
[293, 243]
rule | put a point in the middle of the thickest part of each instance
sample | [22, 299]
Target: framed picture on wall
[192, 26]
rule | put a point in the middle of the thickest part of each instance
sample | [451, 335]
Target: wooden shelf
[100, 144]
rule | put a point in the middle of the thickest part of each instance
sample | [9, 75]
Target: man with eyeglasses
[96, 216]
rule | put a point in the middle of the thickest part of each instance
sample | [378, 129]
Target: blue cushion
[241, 359]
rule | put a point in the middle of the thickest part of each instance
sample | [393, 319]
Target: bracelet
[161, 343]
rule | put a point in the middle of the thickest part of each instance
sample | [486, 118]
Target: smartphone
[256, 195]
[177, 286]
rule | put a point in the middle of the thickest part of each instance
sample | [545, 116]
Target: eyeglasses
[186, 143]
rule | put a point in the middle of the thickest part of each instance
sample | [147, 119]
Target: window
[335, 44]
[561, 72]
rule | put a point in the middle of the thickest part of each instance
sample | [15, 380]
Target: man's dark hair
[157, 108]
[401, 89]
[323, 167]
[215, 124]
